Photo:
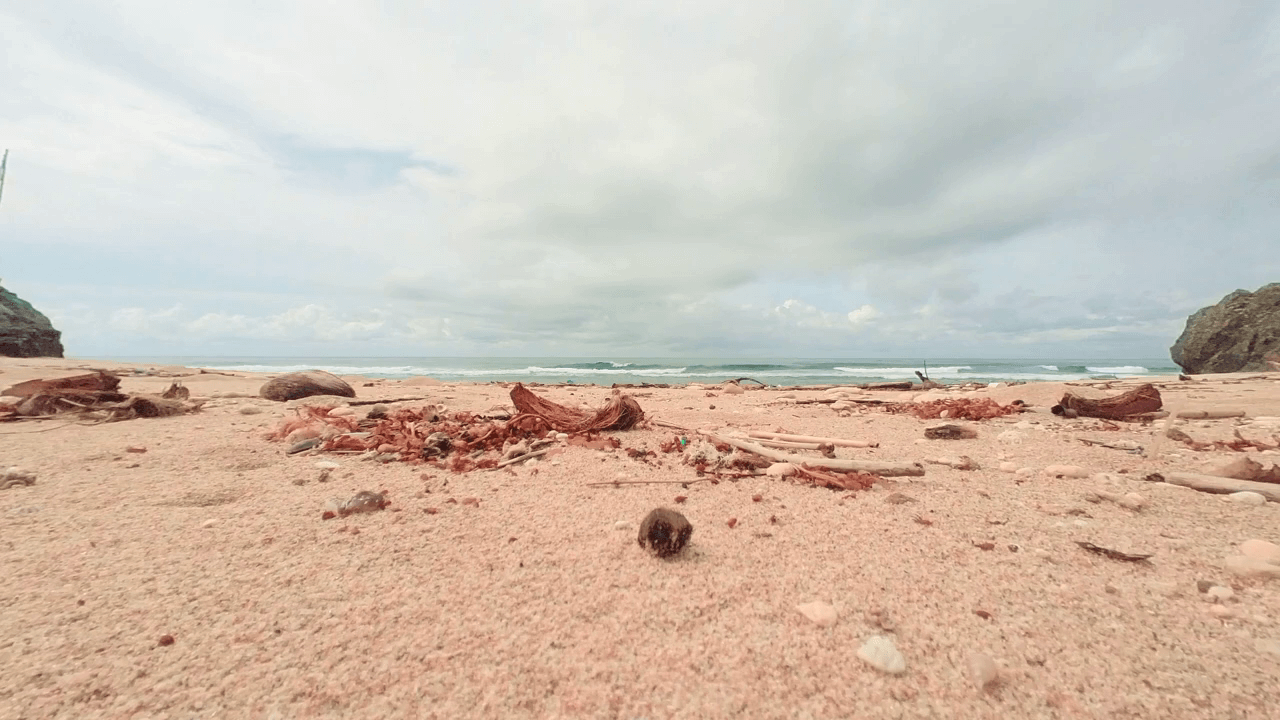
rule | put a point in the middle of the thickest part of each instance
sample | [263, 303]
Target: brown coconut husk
[622, 412]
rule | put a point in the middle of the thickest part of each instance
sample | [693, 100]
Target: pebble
[1219, 593]
[209, 523]
[327, 465]
[562, 436]
[880, 653]
[622, 525]
[1132, 501]
[1261, 550]
[1245, 566]
[1065, 471]
[1247, 497]
[819, 613]
[780, 470]
[1221, 611]
[249, 409]
[1025, 472]
[983, 671]
[1008, 467]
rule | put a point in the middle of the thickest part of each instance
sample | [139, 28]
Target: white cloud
[584, 176]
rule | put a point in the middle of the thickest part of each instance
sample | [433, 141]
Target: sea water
[679, 371]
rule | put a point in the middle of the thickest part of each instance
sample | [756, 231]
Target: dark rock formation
[1238, 334]
[25, 331]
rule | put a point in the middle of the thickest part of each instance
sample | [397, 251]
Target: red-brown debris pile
[955, 408]
[622, 412]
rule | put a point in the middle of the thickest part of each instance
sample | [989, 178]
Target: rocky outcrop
[25, 331]
[1239, 334]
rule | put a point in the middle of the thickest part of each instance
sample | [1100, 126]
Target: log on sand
[1144, 399]
[1222, 485]
[883, 469]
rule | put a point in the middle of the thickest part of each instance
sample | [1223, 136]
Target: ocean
[678, 371]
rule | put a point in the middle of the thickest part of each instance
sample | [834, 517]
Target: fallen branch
[354, 403]
[811, 439]
[645, 482]
[1213, 414]
[1144, 399]
[522, 458]
[1222, 485]
[883, 469]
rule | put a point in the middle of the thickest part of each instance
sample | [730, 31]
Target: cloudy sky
[589, 178]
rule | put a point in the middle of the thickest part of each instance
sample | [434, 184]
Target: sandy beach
[180, 567]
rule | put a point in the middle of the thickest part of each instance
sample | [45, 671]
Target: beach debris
[365, 501]
[307, 383]
[964, 462]
[781, 470]
[303, 445]
[1210, 414]
[93, 396]
[1239, 444]
[1113, 554]
[664, 532]
[956, 409]
[1141, 400]
[819, 613]
[437, 444]
[165, 640]
[883, 469]
[811, 440]
[983, 671]
[950, 432]
[15, 476]
[1130, 501]
[1218, 485]
[1218, 594]
[1126, 445]
[1246, 468]
[880, 653]
[622, 412]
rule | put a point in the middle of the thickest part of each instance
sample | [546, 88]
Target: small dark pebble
[166, 640]
[664, 532]
[1203, 585]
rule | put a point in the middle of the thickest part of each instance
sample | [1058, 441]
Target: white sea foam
[1049, 367]
[1119, 370]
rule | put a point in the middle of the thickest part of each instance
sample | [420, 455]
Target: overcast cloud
[799, 179]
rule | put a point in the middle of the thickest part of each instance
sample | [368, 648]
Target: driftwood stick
[811, 439]
[1210, 414]
[388, 401]
[787, 445]
[607, 483]
[522, 458]
[1222, 485]
[883, 469]
[669, 426]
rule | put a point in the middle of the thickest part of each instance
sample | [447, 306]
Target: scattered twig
[884, 469]
[522, 458]
[645, 482]
[1113, 554]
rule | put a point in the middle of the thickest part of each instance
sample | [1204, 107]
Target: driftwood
[621, 413]
[1222, 485]
[761, 435]
[1211, 414]
[1143, 399]
[96, 381]
[883, 469]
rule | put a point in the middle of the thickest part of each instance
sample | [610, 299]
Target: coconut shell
[292, 386]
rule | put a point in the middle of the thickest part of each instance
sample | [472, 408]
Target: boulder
[1239, 334]
[25, 331]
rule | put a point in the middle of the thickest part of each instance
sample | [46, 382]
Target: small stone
[1204, 585]
[664, 532]
[249, 409]
[1246, 497]
[165, 640]
[1132, 501]
[780, 470]
[880, 653]
[1221, 611]
[1008, 467]
[209, 523]
[562, 436]
[819, 613]
[364, 501]
[1220, 593]
[622, 525]
[1261, 550]
[1065, 471]
[1249, 567]
[1025, 472]
[983, 671]
[344, 411]
[899, 499]
[950, 432]
[327, 465]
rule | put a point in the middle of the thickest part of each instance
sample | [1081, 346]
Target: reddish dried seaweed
[956, 408]
[622, 412]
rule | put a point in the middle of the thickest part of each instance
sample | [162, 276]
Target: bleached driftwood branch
[883, 469]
